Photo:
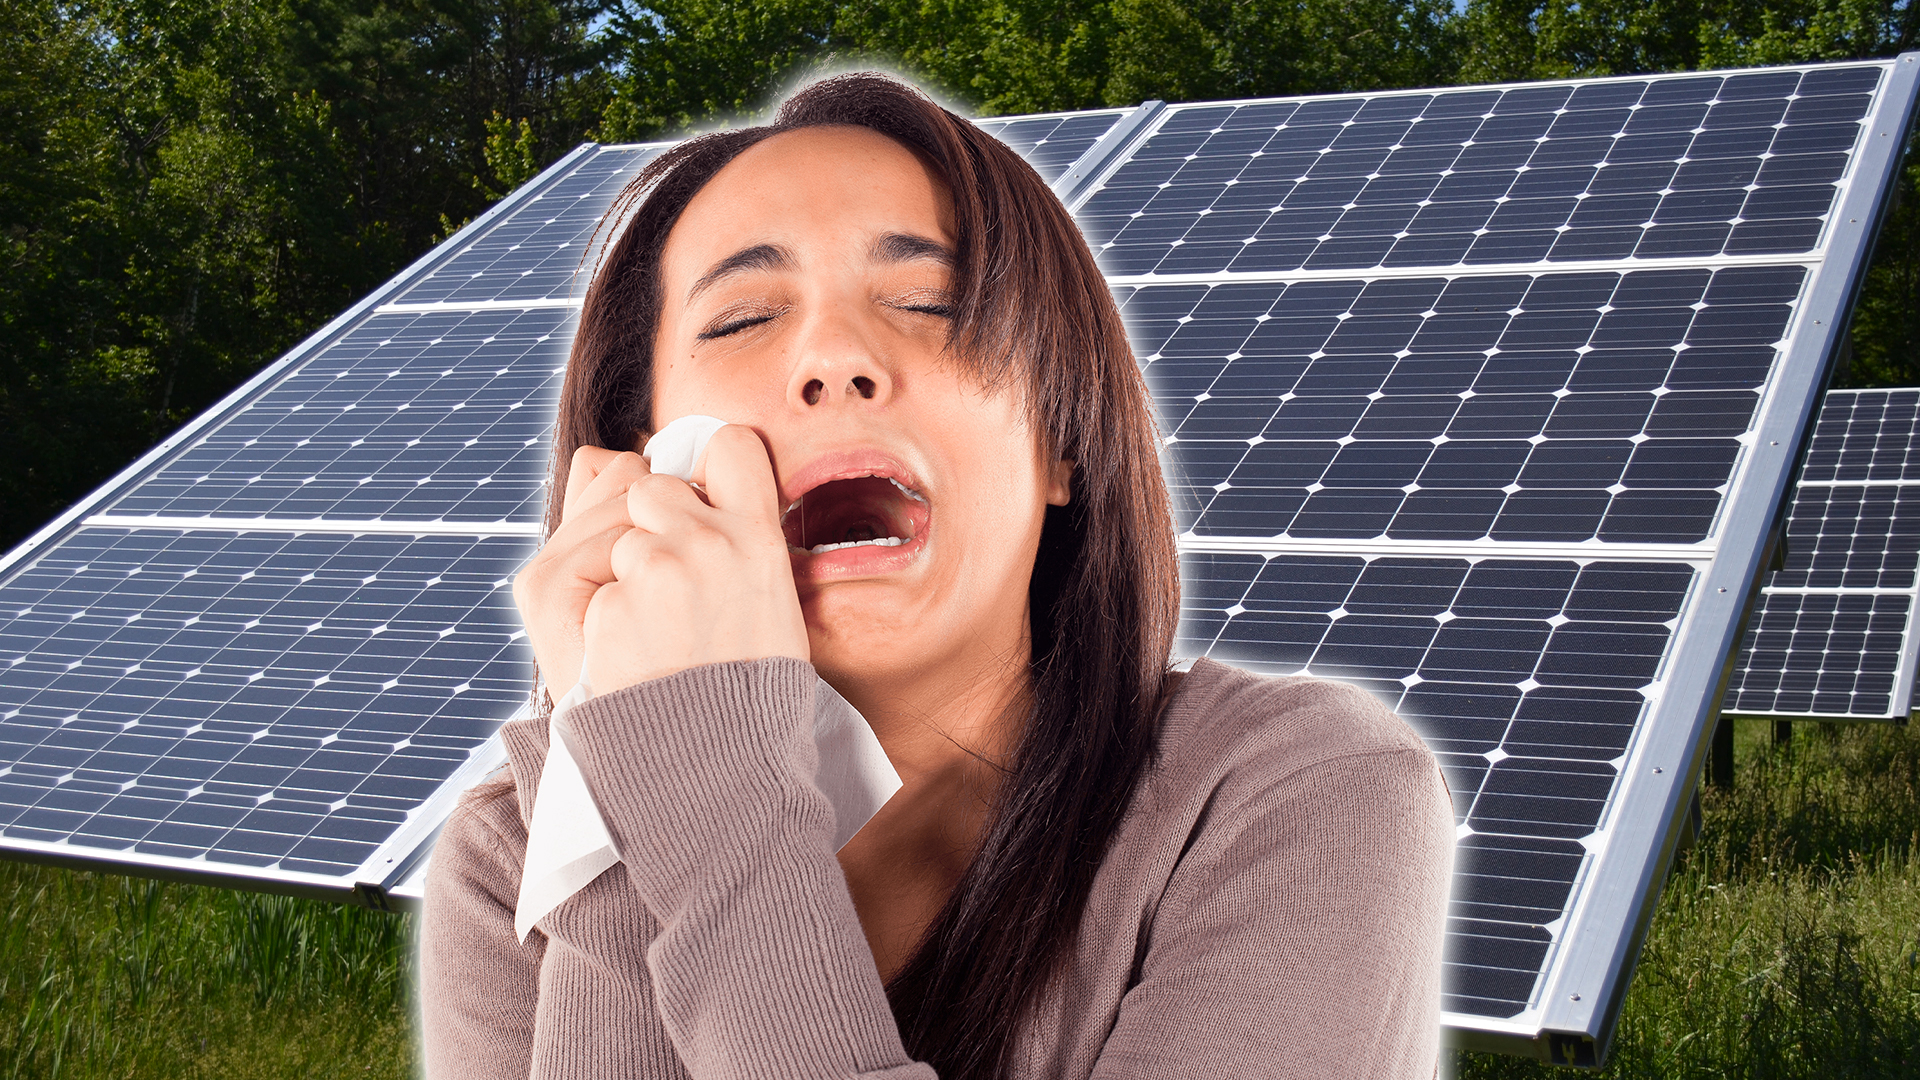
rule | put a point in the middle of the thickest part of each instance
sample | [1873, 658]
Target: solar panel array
[1479, 398]
[1831, 635]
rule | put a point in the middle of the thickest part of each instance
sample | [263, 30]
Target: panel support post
[1782, 732]
[1720, 758]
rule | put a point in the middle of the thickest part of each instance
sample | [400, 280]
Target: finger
[588, 520]
[662, 504]
[583, 555]
[737, 473]
[598, 474]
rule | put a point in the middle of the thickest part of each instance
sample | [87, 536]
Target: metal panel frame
[1578, 1002]
[1575, 1004]
[1580, 1005]
[1106, 154]
[403, 848]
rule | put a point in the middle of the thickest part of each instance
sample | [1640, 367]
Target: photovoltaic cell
[1551, 407]
[1405, 344]
[1694, 167]
[267, 654]
[412, 416]
[1526, 678]
[1831, 632]
[545, 250]
[268, 700]
[1051, 144]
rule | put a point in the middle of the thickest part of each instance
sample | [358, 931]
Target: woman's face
[804, 294]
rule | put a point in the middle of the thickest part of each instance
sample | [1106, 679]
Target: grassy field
[1787, 944]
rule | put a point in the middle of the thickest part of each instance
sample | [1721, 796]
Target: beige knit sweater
[1271, 906]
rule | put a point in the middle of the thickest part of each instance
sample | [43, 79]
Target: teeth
[884, 541]
[907, 491]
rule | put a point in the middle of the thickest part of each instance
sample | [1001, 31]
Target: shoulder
[1322, 764]
[1223, 723]
[1295, 785]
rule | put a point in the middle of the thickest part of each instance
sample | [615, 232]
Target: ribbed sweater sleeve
[759, 967]
[480, 985]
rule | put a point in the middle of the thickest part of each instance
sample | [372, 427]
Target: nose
[838, 364]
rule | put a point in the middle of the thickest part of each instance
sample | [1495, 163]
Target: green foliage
[1526, 39]
[511, 156]
[692, 61]
[1786, 945]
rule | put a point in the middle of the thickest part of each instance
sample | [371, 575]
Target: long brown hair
[1033, 316]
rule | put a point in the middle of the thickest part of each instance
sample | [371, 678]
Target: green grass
[104, 976]
[1786, 944]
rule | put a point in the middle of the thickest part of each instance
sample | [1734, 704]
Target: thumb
[737, 473]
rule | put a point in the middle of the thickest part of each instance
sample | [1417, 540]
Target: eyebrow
[891, 248]
[757, 257]
[903, 247]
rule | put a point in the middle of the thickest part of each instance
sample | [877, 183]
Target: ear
[1060, 483]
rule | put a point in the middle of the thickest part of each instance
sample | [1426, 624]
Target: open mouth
[855, 512]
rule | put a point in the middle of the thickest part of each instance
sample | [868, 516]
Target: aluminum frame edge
[1580, 1002]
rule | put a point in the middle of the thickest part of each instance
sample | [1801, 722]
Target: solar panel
[1831, 635]
[1482, 399]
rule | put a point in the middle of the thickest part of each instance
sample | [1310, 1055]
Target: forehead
[798, 189]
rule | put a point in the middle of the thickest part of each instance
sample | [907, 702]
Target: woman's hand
[643, 578]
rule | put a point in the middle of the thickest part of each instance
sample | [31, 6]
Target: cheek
[738, 389]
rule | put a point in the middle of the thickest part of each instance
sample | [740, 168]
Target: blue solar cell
[1830, 635]
[1523, 676]
[250, 699]
[1822, 654]
[411, 416]
[1482, 491]
[544, 249]
[1668, 168]
[1554, 407]
[1051, 144]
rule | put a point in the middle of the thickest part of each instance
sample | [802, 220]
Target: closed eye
[935, 302]
[732, 326]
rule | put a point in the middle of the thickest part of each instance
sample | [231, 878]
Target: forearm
[760, 967]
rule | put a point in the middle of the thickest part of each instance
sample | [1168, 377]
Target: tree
[687, 62]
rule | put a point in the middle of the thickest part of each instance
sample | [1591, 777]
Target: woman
[940, 492]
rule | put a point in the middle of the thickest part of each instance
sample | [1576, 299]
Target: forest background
[188, 187]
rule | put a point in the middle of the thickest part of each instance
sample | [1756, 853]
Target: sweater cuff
[702, 765]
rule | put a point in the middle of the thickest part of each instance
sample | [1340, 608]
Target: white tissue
[567, 840]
